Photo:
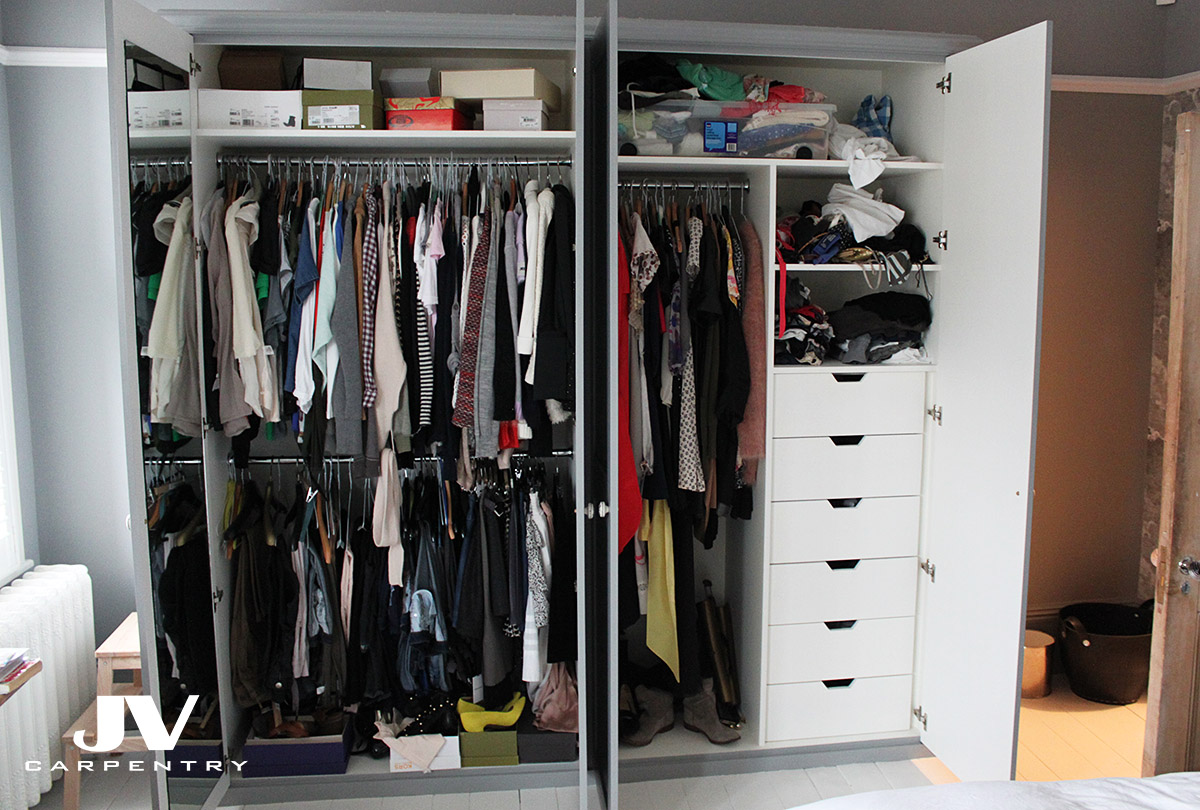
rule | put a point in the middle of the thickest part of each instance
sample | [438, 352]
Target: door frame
[1173, 707]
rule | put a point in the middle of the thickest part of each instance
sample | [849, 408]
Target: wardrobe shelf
[785, 167]
[840, 268]
[679, 742]
[468, 142]
[853, 368]
[159, 139]
[363, 769]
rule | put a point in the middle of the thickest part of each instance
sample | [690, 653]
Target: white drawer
[838, 590]
[842, 403]
[848, 649]
[804, 531]
[846, 467]
[798, 711]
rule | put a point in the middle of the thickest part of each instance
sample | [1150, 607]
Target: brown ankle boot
[658, 715]
[700, 715]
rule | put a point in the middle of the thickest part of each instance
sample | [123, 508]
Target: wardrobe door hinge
[935, 413]
[942, 240]
[217, 596]
[929, 568]
[944, 84]
[922, 717]
[193, 65]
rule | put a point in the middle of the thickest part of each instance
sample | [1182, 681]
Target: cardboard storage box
[263, 109]
[547, 746]
[167, 109]
[337, 74]
[423, 103]
[406, 82]
[342, 109]
[251, 70]
[487, 748]
[447, 759]
[301, 756]
[438, 112]
[514, 114]
[477, 85]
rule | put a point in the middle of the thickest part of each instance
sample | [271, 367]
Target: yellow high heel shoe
[475, 718]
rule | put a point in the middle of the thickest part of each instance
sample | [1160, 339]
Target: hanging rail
[671, 185]
[187, 462]
[160, 162]
[387, 161]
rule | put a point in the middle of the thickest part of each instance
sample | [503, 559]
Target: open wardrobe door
[987, 316]
[152, 101]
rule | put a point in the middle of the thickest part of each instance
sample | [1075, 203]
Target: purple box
[302, 756]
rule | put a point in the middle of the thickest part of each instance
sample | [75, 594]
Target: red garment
[508, 436]
[794, 94]
[629, 494]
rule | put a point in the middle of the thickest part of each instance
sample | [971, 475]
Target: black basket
[1106, 650]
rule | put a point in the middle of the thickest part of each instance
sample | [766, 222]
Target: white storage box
[477, 85]
[337, 74]
[447, 759]
[168, 109]
[407, 82]
[514, 114]
[250, 109]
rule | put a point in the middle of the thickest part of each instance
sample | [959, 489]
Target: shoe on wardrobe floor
[700, 715]
[658, 715]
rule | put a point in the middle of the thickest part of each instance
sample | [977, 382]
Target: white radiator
[49, 610]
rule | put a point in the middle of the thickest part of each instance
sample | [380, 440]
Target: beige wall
[1096, 348]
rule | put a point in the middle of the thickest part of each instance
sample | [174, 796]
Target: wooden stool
[120, 651]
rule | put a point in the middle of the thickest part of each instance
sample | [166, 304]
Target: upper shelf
[558, 142]
[140, 139]
[787, 167]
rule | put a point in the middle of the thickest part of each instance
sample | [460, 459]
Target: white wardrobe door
[987, 312]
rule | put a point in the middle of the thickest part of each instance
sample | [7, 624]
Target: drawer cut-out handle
[846, 441]
[842, 565]
[844, 503]
[838, 683]
[848, 378]
[845, 624]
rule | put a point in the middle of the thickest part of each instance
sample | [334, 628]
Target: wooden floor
[1064, 736]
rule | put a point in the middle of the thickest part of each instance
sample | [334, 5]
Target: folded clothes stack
[687, 108]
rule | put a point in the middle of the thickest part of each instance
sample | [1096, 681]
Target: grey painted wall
[61, 181]
[1097, 324]
[1181, 39]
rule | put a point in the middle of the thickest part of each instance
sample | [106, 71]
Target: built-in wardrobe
[278, 468]
[877, 589]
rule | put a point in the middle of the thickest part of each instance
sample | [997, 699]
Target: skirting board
[720, 763]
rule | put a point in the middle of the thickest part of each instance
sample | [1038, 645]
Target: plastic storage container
[1106, 650]
[703, 128]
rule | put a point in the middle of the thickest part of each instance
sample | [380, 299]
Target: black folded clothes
[875, 327]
